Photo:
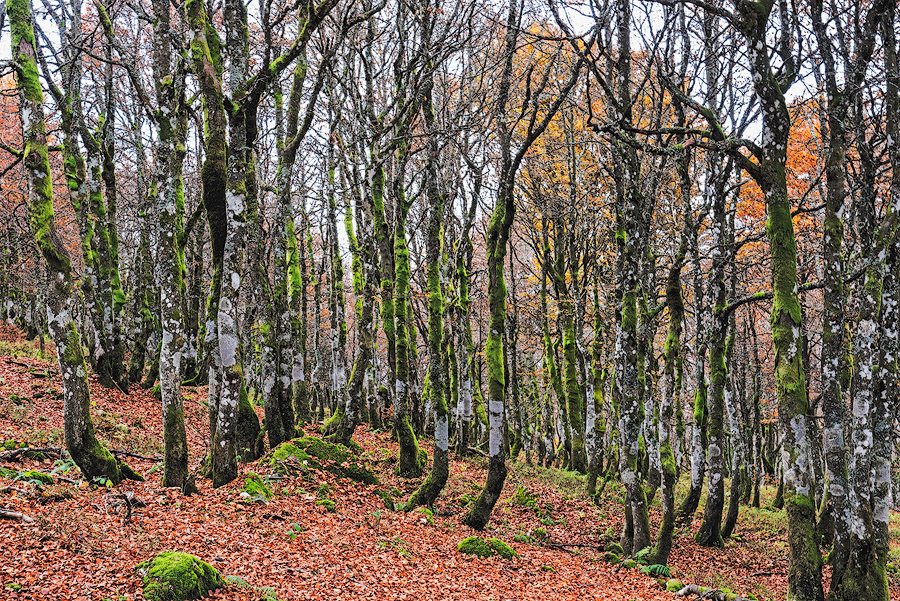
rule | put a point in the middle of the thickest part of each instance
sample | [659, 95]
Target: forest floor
[79, 545]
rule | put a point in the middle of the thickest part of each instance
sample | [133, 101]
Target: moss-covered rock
[612, 557]
[486, 548]
[289, 459]
[387, 498]
[255, 486]
[36, 477]
[673, 586]
[354, 446]
[175, 576]
[502, 549]
[302, 454]
[615, 548]
[629, 563]
[475, 546]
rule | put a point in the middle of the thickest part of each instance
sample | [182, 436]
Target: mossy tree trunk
[497, 238]
[805, 568]
[88, 453]
[409, 465]
[205, 52]
[875, 358]
[169, 94]
[550, 362]
[710, 533]
[595, 425]
[515, 415]
[629, 202]
[287, 281]
[839, 100]
[578, 456]
[669, 386]
[365, 275]
[463, 328]
[69, 103]
[104, 274]
[700, 417]
[430, 489]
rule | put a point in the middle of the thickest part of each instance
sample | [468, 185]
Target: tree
[497, 238]
[89, 454]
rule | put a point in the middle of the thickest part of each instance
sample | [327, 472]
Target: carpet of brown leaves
[79, 548]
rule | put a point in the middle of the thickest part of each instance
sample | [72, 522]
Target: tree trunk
[88, 453]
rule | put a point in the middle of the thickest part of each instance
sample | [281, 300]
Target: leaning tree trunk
[88, 453]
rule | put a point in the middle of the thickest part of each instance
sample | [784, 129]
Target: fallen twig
[128, 499]
[574, 546]
[19, 363]
[715, 594]
[9, 455]
[15, 515]
[121, 453]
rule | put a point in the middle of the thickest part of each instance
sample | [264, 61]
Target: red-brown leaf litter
[79, 545]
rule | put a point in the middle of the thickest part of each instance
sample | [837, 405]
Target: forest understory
[82, 544]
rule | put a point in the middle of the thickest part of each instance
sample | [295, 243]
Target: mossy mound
[303, 454]
[673, 586]
[388, 500]
[255, 486]
[502, 549]
[328, 504]
[486, 548]
[612, 557]
[629, 563]
[175, 576]
[35, 476]
[31, 476]
[615, 548]
[475, 546]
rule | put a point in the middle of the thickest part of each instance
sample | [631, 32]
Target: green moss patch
[31, 476]
[309, 452]
[386, 497]
[255, 486]
[175, 576]
[328, 504]
[502, 549]
[474, 545]
[673, 586]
